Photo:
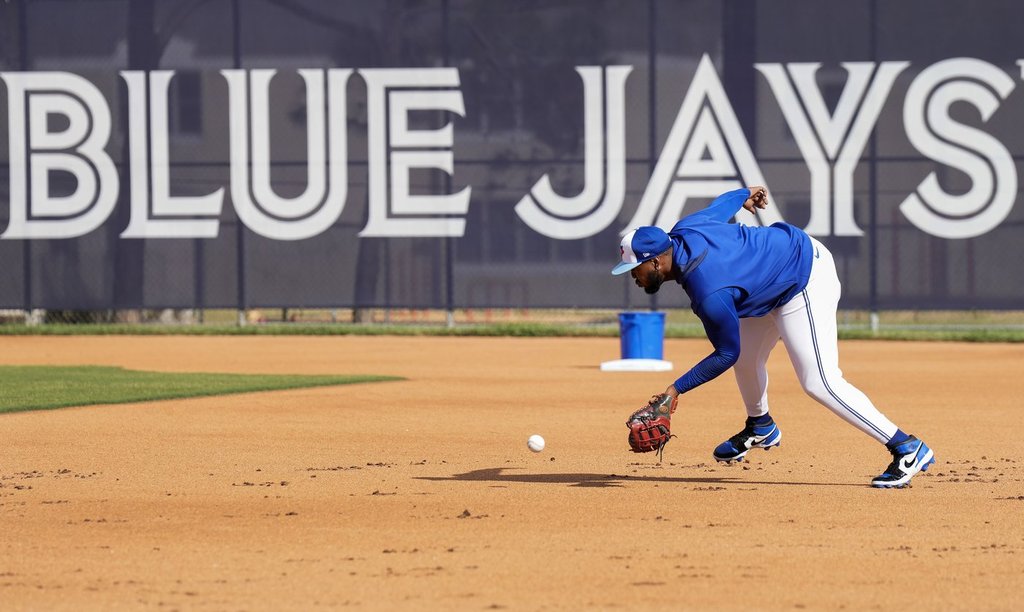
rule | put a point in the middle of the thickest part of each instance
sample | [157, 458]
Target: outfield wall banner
[490, 153]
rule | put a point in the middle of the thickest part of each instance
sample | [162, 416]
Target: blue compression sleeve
[725, 206]
[718, 314]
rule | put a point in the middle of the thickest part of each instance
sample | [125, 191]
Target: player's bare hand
[758, 199]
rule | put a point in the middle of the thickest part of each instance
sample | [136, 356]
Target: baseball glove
[649, 427]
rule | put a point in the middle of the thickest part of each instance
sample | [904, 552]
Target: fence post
[873, 187]
[236, 53]
[26, 248]
[449, 242]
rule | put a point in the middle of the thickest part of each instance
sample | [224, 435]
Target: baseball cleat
[908, 458]
[752, 436]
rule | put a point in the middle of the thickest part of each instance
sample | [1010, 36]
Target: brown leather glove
[650, 427]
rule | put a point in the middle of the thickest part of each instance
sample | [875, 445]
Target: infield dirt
[422, 494]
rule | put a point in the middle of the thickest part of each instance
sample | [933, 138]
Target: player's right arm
[725, 206]
[758, 199]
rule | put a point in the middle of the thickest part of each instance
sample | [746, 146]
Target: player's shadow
[582, 479]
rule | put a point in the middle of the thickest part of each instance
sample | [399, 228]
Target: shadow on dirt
[499, 474]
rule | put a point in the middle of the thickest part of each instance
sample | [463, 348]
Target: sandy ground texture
[422, 494]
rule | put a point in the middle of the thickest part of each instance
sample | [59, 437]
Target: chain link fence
[579, 321]
[521, 135]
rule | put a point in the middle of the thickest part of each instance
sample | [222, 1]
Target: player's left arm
[722, 324]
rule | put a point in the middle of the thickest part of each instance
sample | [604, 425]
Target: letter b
[77, 150]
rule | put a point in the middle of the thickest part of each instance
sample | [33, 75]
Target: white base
[636, 365]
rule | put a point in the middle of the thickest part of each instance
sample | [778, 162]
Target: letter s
[983, 158]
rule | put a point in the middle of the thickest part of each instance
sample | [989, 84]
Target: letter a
[684, 171]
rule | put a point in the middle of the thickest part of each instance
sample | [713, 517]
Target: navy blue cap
[640, 245]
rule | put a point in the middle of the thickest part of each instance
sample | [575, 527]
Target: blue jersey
[731, 271]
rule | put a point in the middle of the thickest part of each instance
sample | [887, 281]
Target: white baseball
[535, 443]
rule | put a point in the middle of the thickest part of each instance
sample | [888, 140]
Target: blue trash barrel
[642, 334]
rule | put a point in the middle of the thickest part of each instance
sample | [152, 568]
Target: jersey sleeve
[721, 322]
[724, 207]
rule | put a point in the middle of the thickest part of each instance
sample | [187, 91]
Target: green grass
[936, 335]
[509, 329]
[44, 387]
[303, 329]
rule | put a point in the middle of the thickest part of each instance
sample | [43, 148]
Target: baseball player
[751, 287]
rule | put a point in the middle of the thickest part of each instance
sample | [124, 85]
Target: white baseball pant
[807, 326]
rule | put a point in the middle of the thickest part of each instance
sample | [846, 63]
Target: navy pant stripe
[821, 371]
